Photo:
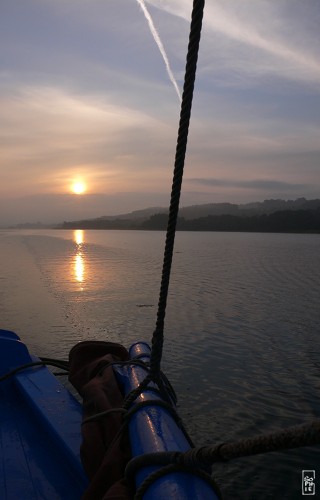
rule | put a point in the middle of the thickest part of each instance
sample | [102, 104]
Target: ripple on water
[241, 338]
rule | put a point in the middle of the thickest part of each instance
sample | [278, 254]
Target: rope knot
[190, 458]
[202, 457]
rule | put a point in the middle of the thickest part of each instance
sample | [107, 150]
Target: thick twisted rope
[293, 437]
[185, 114]
[181, 147]
[198, 460]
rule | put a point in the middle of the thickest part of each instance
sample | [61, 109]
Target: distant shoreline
[270, 216]
[286, 221]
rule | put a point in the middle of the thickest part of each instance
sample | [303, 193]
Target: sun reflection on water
[79, 258]
[78, 236]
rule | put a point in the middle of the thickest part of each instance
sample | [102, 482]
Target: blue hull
[40, 433]
[153, 430]
[40, 425]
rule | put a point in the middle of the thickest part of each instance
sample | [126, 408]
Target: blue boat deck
[40, 424]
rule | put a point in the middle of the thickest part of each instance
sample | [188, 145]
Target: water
[242, 327]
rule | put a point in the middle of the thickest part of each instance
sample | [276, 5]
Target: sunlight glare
[78, 236]
[79, 258]
[79, 268]
[78, 187]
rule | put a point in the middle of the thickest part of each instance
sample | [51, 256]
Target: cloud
[160, 46]
[256, 38]
[214, 190]
[56, 134]
[96, 102]
[256, 184]
[56, 208]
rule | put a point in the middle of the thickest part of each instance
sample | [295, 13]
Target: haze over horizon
[90, 95]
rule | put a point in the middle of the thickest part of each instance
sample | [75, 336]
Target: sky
[89, 92]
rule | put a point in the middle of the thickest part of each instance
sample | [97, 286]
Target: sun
[78, 187]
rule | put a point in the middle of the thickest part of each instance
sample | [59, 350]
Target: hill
[299, 215]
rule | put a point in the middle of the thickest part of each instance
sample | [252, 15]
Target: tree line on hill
[281, 221]
[294, 221]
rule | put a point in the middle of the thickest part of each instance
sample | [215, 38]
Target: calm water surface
[242, 332]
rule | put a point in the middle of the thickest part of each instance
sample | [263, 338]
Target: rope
[181, 147]
[102, 414]
[168, 469]
[56, 363]
[292, 437]
[64, 365]
[185, 113]
[197, 461]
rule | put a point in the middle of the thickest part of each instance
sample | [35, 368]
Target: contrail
[160, 45]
